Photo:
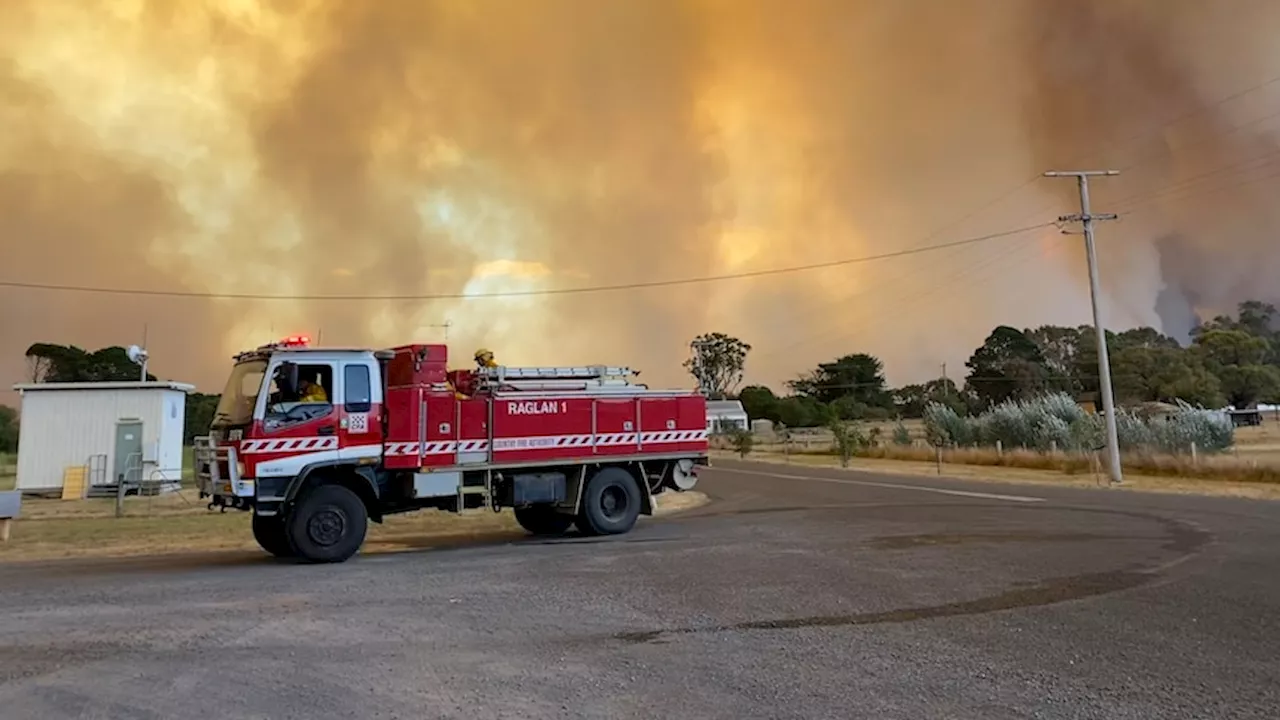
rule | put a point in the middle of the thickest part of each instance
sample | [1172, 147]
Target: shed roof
[724, 406]
[118, 385]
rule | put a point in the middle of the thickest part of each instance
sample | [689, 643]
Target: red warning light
[297, 340]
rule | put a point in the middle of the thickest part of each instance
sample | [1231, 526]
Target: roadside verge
[173, 524]
[1019, 476]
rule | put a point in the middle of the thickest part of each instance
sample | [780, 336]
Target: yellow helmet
[483, 354]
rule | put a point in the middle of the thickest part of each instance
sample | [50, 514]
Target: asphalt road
[818, 595]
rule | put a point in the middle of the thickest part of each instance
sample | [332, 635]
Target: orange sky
[436, 147]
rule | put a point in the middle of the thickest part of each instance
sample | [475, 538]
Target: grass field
[8, 471]
[1254, 459]
[1260, 444]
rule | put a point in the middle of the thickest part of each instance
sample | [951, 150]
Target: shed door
[128, 458]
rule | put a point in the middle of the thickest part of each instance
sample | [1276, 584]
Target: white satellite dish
[138, 356]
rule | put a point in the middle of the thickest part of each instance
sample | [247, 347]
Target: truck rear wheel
[611, 503]
[327, 525]
[271, 535]
[543, 520]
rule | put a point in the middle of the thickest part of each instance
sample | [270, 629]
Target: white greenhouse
[100, 433]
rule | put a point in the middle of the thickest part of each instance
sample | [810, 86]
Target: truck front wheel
[611, 503]
[271, 535]
[543, 520]
[327, 525]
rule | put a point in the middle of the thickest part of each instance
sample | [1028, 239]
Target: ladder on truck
[587, 378]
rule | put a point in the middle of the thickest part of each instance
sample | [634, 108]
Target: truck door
[360, 419]
[298, 428]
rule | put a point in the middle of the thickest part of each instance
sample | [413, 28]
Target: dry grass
[1026, 476]
[1251, 468]
[8, 471]
[1206, 468]
[173, 523]
[1255, 457]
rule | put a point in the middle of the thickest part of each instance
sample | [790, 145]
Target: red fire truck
[317, 441]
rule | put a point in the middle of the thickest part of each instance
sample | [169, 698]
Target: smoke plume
[441, 147]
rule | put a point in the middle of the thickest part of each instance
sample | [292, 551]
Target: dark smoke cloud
[1116, 70]
[446, 147]
[1176, 303]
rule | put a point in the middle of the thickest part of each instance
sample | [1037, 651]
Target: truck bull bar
[218, 475]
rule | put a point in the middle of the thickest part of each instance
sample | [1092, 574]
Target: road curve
[796, 593]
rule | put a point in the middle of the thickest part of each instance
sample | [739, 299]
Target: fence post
[120, 498]
[1195, 458]
[937, 450]
[999, 448]
[1053, 447]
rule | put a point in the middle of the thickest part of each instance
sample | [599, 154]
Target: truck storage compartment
[535, 488]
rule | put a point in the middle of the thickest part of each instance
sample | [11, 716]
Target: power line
[893, 285]
[1188, 183]
[1175, 193]
[865, 316]
[1140, 135]
[1178, 188]
[1191, 112]
[525, 293]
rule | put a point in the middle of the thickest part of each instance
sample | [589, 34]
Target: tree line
[1230, 360]
[47, 362]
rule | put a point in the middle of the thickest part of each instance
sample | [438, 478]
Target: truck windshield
[235, 407]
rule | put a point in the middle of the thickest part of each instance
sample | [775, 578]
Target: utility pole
[1087, 217]
[144, 352]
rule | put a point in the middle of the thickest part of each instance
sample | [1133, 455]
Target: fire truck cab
[314, 442]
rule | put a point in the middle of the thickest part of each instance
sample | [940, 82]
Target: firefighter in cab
[484, 359]
[311, 392]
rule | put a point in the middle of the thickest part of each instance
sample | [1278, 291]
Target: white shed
[115, 430]
[725, 416]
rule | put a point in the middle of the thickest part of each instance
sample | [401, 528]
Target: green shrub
[848, 440]
[944, 426]
[1055, 421]
[901, 435]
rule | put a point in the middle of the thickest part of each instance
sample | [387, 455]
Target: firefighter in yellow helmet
[484, 359]
[311, 392]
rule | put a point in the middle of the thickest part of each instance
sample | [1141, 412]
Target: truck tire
[271, 535]
[543, 520]
[327, 525]
[611, 503]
